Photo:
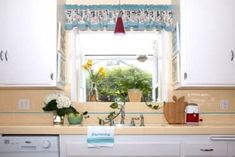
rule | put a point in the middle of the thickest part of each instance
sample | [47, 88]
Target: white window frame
[161, 68]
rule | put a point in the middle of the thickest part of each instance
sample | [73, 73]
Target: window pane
[118, 54]
[118, 70]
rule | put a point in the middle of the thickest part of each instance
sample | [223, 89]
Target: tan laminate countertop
[157, 129]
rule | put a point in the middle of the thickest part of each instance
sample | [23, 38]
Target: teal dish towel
[100, 136]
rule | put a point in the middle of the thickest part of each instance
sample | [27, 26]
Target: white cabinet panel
[210, 38]
[207, 43]
[152, 146]
[29, 36]
[231, 149]
[142, 146]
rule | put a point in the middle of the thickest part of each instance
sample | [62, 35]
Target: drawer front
[207, 149]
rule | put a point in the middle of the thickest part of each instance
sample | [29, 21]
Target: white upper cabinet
[28, 43]
[207, 43]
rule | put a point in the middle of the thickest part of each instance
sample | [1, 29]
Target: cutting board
[174, 112]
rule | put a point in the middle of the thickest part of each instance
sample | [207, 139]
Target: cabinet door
[124, 146]
[29, 34]
[231, 149]
[2, 41]
[209, 42]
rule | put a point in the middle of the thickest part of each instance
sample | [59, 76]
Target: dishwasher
[29, 146]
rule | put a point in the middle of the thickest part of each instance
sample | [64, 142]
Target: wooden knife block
[174, 112]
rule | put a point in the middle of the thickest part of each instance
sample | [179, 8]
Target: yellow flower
[85, 67]
[94, 76]
[101, 72]
[101, 69]
[89, 63]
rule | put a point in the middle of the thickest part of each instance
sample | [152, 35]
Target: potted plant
[136, 85]
[137, 89]
[61, 105]
[94, 77]
[76, 117]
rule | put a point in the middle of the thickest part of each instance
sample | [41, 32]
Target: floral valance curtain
[103, 17]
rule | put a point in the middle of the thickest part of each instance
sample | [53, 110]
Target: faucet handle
[133, 120]
[141, 120]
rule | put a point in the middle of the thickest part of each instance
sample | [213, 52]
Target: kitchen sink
[128, 125]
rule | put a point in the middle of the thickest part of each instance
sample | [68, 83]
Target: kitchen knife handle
[207, 149]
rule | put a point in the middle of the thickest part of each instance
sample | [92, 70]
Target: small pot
[74, 118]
[134, 95]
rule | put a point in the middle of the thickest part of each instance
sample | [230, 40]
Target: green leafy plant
[121, 86]
[116, 106]
[112, 115]
[124, 78]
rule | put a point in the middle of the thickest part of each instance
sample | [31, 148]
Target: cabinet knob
[1, 55]
[232, 57]
[52, 76]
[185, 76]
[6, 57]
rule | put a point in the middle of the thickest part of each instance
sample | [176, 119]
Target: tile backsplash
[208, 101]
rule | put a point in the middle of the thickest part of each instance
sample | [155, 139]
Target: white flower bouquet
[59, 103]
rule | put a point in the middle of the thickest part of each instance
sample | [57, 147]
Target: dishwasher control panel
[29, 143]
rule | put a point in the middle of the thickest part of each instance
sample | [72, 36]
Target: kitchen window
[111, 51]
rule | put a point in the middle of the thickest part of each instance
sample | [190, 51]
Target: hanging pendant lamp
[119, 28]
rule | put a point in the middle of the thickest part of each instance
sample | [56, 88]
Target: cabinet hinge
[185, 76]
[52, 76]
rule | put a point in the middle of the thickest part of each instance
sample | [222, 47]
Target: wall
[208, 100]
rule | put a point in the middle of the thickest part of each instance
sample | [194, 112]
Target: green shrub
[122, 79]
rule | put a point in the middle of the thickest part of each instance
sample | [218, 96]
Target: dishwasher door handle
[222, 138]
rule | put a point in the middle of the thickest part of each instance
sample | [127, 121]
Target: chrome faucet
[111, 122]
[123, 114]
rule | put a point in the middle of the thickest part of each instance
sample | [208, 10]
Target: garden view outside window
[118, 55]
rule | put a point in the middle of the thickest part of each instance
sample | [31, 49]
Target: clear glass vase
[93, 94]
[58, 120]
